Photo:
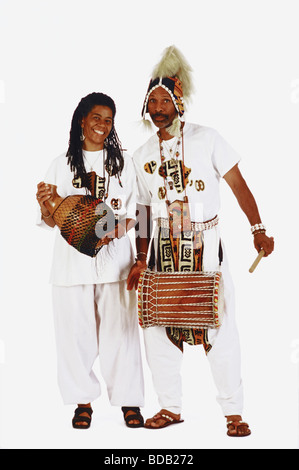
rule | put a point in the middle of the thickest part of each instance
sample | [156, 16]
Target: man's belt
[195, 226]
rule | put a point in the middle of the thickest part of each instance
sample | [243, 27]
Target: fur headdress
[173, 73]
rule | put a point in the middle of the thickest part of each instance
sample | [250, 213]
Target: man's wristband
[141, 253]
[257, 228]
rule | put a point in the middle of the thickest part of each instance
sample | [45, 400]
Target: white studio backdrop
[245, 60]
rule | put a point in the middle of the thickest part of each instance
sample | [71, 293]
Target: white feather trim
[147, 124]
[174, 63]
[175, 127]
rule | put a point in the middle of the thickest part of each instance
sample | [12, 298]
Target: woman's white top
[113, 261]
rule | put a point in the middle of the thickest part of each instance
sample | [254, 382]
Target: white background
[245, 60]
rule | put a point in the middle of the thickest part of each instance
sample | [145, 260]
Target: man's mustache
[158, 115]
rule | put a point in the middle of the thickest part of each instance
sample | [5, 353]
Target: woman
[94, 313]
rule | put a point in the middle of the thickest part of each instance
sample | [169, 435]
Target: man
[185, 162]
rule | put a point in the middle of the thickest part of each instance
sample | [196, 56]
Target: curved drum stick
[256, 261]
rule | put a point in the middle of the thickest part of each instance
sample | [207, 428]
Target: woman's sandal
[79, 421]
[234, 431]
[134, 416]
[166, 416]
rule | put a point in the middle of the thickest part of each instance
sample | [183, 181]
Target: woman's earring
[82, 136]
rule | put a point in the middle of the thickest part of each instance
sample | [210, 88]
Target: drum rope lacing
[158, 313]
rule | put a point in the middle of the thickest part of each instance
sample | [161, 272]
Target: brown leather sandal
[168, 418]
[234, 429]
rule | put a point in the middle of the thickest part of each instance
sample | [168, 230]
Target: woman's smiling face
[96, 127]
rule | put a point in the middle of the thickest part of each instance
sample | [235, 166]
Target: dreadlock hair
[115, 161]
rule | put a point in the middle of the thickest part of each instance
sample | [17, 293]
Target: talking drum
[83, 221]
[180, 299]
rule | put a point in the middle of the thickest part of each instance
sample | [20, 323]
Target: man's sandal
[164, 415]
[234, 428]
[134, 416]
[79, 421]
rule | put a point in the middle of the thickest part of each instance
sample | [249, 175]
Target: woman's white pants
[98, 320]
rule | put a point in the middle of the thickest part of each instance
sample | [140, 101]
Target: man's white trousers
[98, 320]
[165, 359]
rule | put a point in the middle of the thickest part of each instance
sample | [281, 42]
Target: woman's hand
[42, 195]
[117, 232]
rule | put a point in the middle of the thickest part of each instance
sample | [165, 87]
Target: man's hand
[134, 274]
[263, 242]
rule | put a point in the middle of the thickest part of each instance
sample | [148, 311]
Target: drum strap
[181, 250]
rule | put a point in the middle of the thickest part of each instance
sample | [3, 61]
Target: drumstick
[256, 261]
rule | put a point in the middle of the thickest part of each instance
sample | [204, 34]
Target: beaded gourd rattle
[84, 221]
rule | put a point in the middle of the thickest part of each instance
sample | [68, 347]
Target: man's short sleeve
[143, 194]
[224, 157]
